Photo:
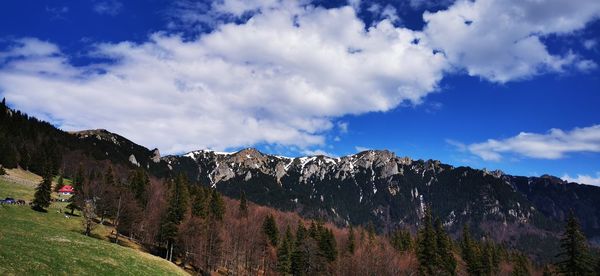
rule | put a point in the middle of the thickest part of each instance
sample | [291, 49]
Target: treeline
[35, 145]
[199, 229]
[196, 227]
[29, 143]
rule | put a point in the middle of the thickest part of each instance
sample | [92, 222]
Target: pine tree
[178, 203]
[59, 183]
[470, 252]
[284, 253]
[43, 192]
[444, 250]
[327, 244]
[269, 228]
[574, 254]
[299, 255]
[216, 213]
[427, 246]
[486, 260]
[312, 230]
[138, 183]
[243, 209]
[371, 231]
[520, 266]
[597, 268]
[200, 202]
[401, 240]
[78, 180]
[216, 206]
[351, 243]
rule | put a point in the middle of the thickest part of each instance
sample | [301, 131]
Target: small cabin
[66, 190]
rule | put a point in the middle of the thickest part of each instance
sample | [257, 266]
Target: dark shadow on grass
[39, 209]
[68, 213]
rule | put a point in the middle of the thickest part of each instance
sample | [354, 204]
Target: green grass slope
[33, 243]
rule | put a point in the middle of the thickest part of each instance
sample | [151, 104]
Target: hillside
[52, 243]
[374, 188]
[391, 191]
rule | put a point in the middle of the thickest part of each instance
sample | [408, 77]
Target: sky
[499, 84]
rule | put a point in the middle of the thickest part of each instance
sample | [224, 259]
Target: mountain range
[371, 187]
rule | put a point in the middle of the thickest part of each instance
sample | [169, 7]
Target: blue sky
[447, 80]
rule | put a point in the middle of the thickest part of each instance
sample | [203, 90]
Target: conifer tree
[351, 243]
[427, 246]
[327, 244]
[200, 202]
[243, 209]
[59, 183]
[597, 268]
[78, 180]
[520, 266]
[396, 240]
[138, 183]
[547, 271]
[312, 230]
[401, 240]
[574, 251]
[269, 228]
[299, 255]
[176, 210]
[284, 253]
[216, 213]
[470, 252]
[371, 231]
[216, 206]
[43, 192]
[444, 250]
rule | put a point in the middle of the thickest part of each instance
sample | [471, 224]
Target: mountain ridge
[388, 181]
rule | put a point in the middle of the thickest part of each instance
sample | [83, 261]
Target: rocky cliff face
[392, 191]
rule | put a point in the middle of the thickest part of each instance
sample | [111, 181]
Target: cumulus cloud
[554, 144]
[584, 179]
[384, 12]
[503, 40]
[280, 78]
[276, 71]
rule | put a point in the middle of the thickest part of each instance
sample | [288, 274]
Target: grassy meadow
[34, 243]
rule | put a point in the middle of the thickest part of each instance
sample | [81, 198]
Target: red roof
[66, 189]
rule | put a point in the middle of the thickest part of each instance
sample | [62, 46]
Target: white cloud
[584, 179]
[281, 78]
[586, 65]
[318, 152]
[503, 40]
[384, 12]
[360, 149]
[590, 44]
[108, 7]
[356, 4]
[343, 127]
[554, 144]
